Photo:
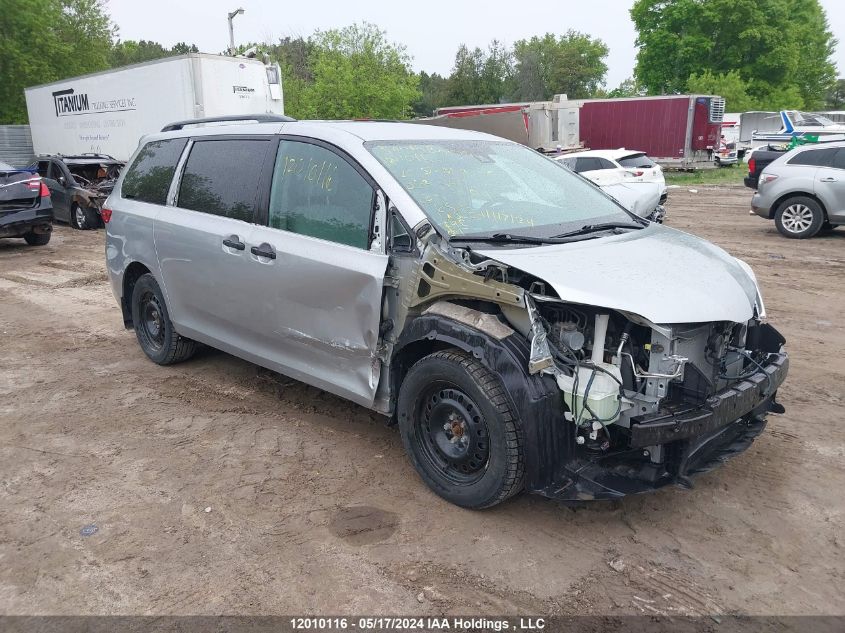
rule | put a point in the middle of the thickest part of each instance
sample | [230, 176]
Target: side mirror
[61, 180]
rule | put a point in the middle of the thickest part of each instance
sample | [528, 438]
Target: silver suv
[804, 190]
[522, 329]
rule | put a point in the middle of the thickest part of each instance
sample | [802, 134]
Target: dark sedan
[26, 209]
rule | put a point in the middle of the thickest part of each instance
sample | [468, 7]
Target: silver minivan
[522, 329]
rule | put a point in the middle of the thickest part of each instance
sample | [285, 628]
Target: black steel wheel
[153, 328]
[460, 430]
[452, 433]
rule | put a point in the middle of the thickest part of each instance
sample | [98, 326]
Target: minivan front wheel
[153, 328]
[799, 218]
[460, 431]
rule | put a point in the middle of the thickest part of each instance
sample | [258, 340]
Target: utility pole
[232, 30]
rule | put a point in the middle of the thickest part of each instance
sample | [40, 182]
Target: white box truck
[108, 112]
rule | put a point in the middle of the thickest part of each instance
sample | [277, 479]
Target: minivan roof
[364, 130]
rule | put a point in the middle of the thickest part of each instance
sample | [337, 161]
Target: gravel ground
[218, 487]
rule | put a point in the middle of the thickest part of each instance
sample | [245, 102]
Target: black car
[79, 185]
[25, 207]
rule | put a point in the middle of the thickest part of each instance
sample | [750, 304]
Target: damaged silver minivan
[522, 329]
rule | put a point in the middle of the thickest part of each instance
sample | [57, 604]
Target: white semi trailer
[108, 112]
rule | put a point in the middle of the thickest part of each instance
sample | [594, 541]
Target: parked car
[78, 185]
[803, 190]
[642, 198]
[726, 155]
[611, 166]
[522, 329]
[25, 207]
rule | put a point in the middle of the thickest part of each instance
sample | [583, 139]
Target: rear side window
[316, 192]
[839, 160]
[636, 161]
[221, 177]
[815, 157]
[148, 179]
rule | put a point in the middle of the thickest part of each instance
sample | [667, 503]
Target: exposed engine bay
[97, 178]
[642, 403]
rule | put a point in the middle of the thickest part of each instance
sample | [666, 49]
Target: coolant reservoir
[603, 397]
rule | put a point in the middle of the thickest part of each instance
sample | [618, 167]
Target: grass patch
[731, 175]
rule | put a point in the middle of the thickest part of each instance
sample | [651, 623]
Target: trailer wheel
[460, 431]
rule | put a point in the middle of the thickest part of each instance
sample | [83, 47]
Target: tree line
[758, 54]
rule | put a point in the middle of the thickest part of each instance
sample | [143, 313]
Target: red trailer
[676, 130]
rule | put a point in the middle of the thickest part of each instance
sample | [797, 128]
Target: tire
[153, 328]
[460, 431]
[799, 218]
[83, 219]
[37, 239]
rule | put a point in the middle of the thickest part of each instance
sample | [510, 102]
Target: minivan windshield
[482, 187]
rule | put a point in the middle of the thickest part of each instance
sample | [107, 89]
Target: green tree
[47, 40]
[464, 84]
[132, 52]
[780, 49]
[358, 73]
[835, 99]
[571, 64]
[433, 94]
[628, 88]
[728, 85]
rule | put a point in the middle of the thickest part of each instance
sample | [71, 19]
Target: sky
[431, 30]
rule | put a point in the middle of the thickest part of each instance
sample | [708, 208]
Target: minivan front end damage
[611, 402]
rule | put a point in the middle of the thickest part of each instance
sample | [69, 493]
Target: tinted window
[148, 179]
[636, 161]
[316, 192]
[221, 177]
[587, 164]
[839, 160]
[814, 157]
[605, 164]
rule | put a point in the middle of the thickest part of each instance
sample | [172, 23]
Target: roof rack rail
[258, 118]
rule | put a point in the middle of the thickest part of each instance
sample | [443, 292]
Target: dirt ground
[218, 487]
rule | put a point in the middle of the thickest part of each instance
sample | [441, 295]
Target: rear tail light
[105, 214]
[34, 184]
[766, 179]
[752, 164]
[45, 192]
[638, 173]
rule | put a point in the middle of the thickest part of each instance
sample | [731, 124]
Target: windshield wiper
[595, 228]
[504, 238]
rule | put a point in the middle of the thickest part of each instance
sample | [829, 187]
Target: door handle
[828, 179]
[265, 250]
[234, 242]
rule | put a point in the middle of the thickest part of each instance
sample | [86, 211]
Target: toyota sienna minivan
[523, 330]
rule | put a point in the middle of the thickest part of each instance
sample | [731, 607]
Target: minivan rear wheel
[799, 218]
[460, 431]
[153, 328]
